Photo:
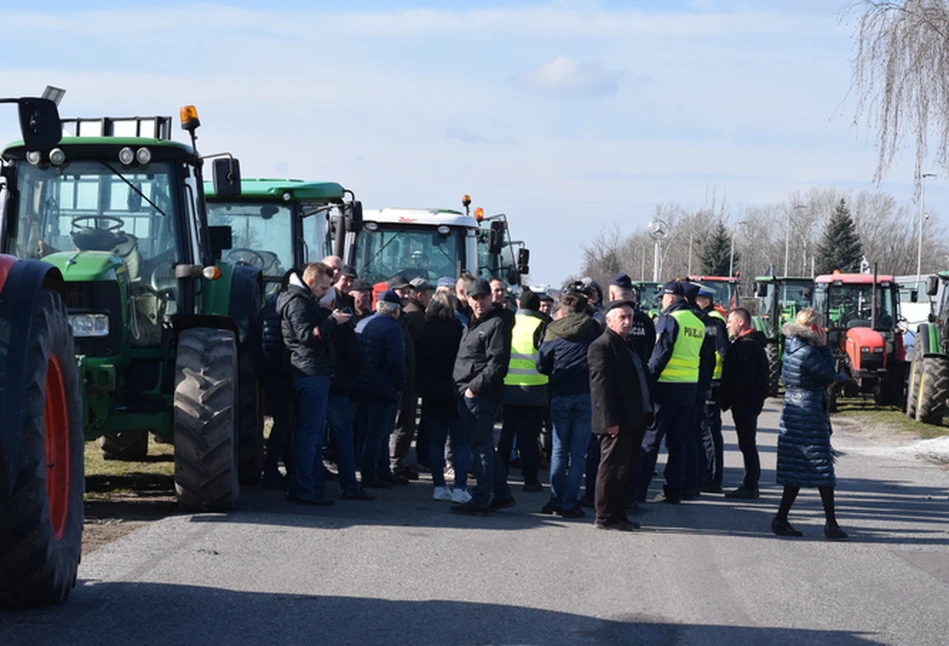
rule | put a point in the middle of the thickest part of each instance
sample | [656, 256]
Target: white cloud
[465, 135]
[565, 76]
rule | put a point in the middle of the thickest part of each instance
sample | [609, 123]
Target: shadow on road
[179, 614]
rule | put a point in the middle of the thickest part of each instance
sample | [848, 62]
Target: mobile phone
[347, 310]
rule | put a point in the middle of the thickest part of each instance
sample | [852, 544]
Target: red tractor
[861, 315]
[726, 290]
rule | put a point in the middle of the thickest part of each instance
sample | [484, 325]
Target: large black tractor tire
[933, 389]
[41, 511]
[127, 445]
[250, 421]
[206, 389]
[774, 369]
[920, 349]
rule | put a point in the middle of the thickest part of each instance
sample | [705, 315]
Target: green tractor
[647, 295]
[782, 298]
[41, 442]
[279, 224]
[165, 333]
[928, 386]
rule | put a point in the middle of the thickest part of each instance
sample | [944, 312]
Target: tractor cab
[647, 296]
[726, 289]
[279, 224]
[861, 315]
[499, 256]
[781, 299]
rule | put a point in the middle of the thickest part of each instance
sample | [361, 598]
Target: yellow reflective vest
[683, 366]
[522, 369]
[717, 375]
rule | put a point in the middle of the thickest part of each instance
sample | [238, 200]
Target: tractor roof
[274, 189]
[116, 142]
[715, 279]
[785, 279]
[852, 279]
[421, 217]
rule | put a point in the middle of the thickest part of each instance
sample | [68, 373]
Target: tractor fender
[181, 322]
[863, 337]
[20, 282]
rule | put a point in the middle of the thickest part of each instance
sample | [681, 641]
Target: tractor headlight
[865, 350]
[143, 155]
[34, 157]
[57, 156]
[89, 325]
[126, 156]
[444, 230]
[878, 350]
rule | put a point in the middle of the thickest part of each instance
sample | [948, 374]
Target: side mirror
[353, 213]
[932, 285]
[524, 260]
[39, 123]
[226, 177]
[219, 239]
[914, 296]
[497, 237]
[761, 290]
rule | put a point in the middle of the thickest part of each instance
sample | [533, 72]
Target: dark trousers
[612, 477]
[523, 422]
[283, 403]
[746, 425]
[694, 453]
[478, 415]
[673, 422]
[712, 441]
[592, 467]
[374, 420]
[404, 432]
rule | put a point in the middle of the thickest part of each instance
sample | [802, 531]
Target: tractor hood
[864, 337]
[78, 266]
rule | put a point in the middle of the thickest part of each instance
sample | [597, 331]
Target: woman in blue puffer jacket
[805, 458]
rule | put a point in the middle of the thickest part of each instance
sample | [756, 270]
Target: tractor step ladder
[149, 127]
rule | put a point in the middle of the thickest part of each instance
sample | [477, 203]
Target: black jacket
[412, 319]
[311, 355]
[274, 356]
[483, 356]
[642, 335]
[619, 389]
[383, 370]
[348, 353]
[435, 354]
[745, 374]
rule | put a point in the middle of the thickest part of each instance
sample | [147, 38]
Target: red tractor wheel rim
[57, 447]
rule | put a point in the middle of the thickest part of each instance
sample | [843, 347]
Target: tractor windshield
[847, 306]
[389, 250]
[725, 293]
[262, 234]
[92, 206]
[791, 296]
[647, 295]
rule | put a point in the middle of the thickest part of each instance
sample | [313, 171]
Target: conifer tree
[716, 254]
[840, 246]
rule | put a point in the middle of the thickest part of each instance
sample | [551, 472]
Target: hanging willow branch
[901, 76]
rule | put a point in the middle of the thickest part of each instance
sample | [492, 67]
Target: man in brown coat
[621, 412]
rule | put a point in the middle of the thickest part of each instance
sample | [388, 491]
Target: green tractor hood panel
[79, 266]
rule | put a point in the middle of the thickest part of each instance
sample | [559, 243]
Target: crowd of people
[590, 383]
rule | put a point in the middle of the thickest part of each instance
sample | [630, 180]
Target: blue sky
[564, 115]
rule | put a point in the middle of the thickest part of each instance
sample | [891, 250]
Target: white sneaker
[460, 496]
[442, 493]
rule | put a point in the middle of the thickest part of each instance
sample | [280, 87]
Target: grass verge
[867, 414]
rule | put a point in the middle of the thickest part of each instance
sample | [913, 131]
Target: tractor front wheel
[41, 515]
[206, 389]
[774, 368]
[933, 389]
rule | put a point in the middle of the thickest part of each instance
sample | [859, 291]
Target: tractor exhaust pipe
[873, 299]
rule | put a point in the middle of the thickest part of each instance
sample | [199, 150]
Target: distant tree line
[828, 229]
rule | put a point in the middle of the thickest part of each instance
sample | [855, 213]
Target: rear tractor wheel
[774, 368]
[933, 389]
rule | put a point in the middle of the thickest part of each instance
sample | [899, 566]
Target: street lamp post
[787, 238]
[922, 209]
[657, 231]
[731, 258]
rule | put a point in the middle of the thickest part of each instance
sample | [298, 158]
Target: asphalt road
[403, 570]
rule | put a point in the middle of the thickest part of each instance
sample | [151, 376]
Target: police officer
[674, 365]
[525, 392]
[694, 455]
[716, 329]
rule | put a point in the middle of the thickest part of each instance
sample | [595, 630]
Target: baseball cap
[349, 271]
[360, 286]
[622, 281]
[420, 284]
[390, 296]
[398, 282]
[446, 281]
[479, 286]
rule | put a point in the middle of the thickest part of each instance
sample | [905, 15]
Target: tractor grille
[100, 297]
[870, 361]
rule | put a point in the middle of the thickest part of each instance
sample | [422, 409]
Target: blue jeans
[312, 398]
[477, 417]
[572, 417]
[375, 419]
[438, 429]
[339, 419]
